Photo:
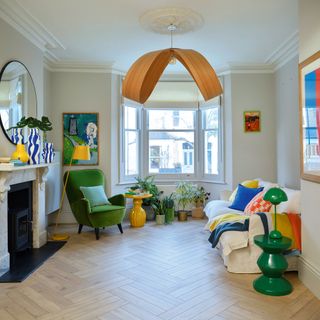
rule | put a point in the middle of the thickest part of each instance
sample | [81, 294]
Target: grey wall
[309, 268]
[287, 120]
[15, 47]
[254, 153]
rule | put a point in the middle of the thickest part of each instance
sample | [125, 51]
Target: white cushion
[217, 207]
[293, 203]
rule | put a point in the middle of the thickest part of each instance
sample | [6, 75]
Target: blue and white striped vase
[48, 152]
[34, 146]
[17, 136]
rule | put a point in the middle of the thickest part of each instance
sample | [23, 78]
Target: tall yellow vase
[20, 153]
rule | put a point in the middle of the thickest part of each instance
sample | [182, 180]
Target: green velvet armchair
[98, 216]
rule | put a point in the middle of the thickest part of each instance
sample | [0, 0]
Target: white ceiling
[101, 32]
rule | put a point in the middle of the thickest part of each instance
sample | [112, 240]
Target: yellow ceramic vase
[20, 153]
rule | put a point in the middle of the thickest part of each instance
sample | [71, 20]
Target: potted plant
[160, 210]
[199, 199]
[147, 185]
[169, 204]
[184, 196]
[34, 138]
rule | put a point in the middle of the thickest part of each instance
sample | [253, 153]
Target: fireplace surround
[32, 217]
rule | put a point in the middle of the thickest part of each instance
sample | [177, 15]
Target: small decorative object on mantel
[34, 141]
[20, 153]
[17, 136]
[251, 121]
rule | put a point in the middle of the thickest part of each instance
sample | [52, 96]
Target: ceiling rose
[185, 20]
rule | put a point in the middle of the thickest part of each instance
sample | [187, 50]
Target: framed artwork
[80, 128]
[251, 121]
[309, 76]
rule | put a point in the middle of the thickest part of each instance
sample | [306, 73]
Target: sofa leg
[96, 230]
[120, 227]
[80, 228]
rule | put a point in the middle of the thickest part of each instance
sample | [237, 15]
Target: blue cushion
[95, 195]
[244, 196]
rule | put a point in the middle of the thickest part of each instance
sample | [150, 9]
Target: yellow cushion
[246, 183]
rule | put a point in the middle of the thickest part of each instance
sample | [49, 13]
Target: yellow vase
[20, 153]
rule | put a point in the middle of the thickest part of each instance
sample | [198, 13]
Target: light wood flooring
[152, 273]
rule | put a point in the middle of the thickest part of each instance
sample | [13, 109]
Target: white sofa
[236, 248]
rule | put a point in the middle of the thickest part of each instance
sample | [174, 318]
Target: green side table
[272, 263]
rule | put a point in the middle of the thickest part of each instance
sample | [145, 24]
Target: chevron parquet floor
[151, 273]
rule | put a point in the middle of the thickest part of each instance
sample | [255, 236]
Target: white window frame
[220, 176]
[145, 142]
[124, 178]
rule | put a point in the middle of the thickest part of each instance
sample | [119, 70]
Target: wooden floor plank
[150, 273]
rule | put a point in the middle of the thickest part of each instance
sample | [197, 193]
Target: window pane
[171, 119]
[211, 152]
[130, 118]
[211, 118]
[131, 152]
[171, 152]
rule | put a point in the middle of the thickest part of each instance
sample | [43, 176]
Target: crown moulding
[145, 72]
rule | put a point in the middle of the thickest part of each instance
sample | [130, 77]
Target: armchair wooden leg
[120, 227]
[96, 230]
[80, 228]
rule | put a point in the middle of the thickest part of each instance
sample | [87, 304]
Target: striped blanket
[289, 224]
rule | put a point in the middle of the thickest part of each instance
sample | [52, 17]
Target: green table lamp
[271, 261]
[275, 196]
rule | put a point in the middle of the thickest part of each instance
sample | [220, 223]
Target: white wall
[287, 120]
[309, 269]
[254, 153]
[15, 47]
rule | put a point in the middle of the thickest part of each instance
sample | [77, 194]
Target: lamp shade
[81, 153]
[275, 196]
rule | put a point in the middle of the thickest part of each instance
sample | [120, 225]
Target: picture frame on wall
[309, 81]
[252, 121]
[80, 129]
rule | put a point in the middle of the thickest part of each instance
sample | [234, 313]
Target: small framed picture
[251, 121]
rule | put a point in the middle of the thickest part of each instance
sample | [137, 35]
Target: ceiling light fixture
[145, 72]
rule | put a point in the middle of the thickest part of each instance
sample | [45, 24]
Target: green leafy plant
[147, 185]
[169, 201]
[44, 124]
[184, 194]
[159, 207]
[200, 195]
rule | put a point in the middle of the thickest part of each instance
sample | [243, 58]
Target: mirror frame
[35, 92]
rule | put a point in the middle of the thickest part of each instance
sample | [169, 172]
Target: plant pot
[183, 215]
[48, 152]
[149, 213]
[170, 215]
[160, 218]
[34, 146]
[199, 204]
[197, 213]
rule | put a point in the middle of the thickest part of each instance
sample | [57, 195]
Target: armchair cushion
[106, 208]
[95, 195]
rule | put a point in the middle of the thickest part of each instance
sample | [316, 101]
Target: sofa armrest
[255, 227]
[118, 200]
[225, 195]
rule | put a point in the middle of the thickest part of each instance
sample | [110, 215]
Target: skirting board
[309, 274]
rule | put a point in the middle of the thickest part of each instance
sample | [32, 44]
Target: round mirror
[17, 98]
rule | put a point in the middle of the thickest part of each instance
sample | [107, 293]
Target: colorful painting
[80, 128]
[310, 113]
[251, 121]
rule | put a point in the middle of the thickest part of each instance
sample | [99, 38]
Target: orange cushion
[257, 204]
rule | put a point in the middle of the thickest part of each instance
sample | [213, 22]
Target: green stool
[272, 264]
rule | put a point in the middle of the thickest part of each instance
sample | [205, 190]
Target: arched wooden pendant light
[144, 74]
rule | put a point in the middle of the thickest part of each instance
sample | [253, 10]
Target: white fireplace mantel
[13, 175]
